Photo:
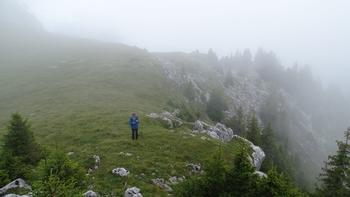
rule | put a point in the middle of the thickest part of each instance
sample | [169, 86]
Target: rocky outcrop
[169, 120]
[219, 131]
[133, 192]
[18, 183]
[258, 154]
[120, 172]
[90, 193]
[15, 195]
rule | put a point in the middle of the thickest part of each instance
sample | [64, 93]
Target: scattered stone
[125, 154]
[195, 168]
[15, 195]
[90, 193]
[70, 153]
[204, 138]
[161, 183]
[120, 171]
[97, 161]
[18, 183]
[133, 192]
[175, 180]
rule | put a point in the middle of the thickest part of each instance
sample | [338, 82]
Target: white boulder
[90, 193]
[18, 183]
[132, 192]
[120, 172]
[162, 184]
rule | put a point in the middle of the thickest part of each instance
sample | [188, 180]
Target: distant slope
[78, 95]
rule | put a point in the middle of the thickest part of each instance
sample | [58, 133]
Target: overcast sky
[313, 32]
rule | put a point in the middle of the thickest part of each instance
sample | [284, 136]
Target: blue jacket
[134, 122]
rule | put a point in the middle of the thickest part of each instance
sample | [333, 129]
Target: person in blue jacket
[134, 124]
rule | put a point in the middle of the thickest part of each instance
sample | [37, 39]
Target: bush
[59, 176]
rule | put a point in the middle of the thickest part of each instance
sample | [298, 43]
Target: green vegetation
[221, 179]
[59, 176]
[20, 153]
[335, 179]
[216, 105]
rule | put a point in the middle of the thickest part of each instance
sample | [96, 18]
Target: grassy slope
[78, 95]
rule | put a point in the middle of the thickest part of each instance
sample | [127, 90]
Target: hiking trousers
[134, 134]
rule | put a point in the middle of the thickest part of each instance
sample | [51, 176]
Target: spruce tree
[335, 179]
[276, 184]
[216, 106]
[241, 179]
[254, 131]
[20, 152]
[268, 144]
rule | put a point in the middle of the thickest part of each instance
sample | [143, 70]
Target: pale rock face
[224, 133]
[18, 183]
[15, 195]
[219, 131]
[120, 172]
[213, 134]
[258, 154]
[90, 193]
[198, 126]
[133, 192]
[260, 174]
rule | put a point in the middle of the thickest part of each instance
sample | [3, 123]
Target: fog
[310, 32]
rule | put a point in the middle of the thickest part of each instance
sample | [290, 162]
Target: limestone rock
[195, 168]
[90, 193]
[132, 192]
[97, 161]
[18, 183]
[162, 184]
[120, 172]
[169, 120]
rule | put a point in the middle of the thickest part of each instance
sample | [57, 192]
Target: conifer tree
[276, 184]
[268, 144]
[241, 179]
[20, 152]
[216, 106]
[254, 131]
[335, 179]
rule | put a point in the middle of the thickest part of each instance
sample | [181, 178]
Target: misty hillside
[78, 95]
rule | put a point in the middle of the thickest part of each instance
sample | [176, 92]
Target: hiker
[134, 124]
